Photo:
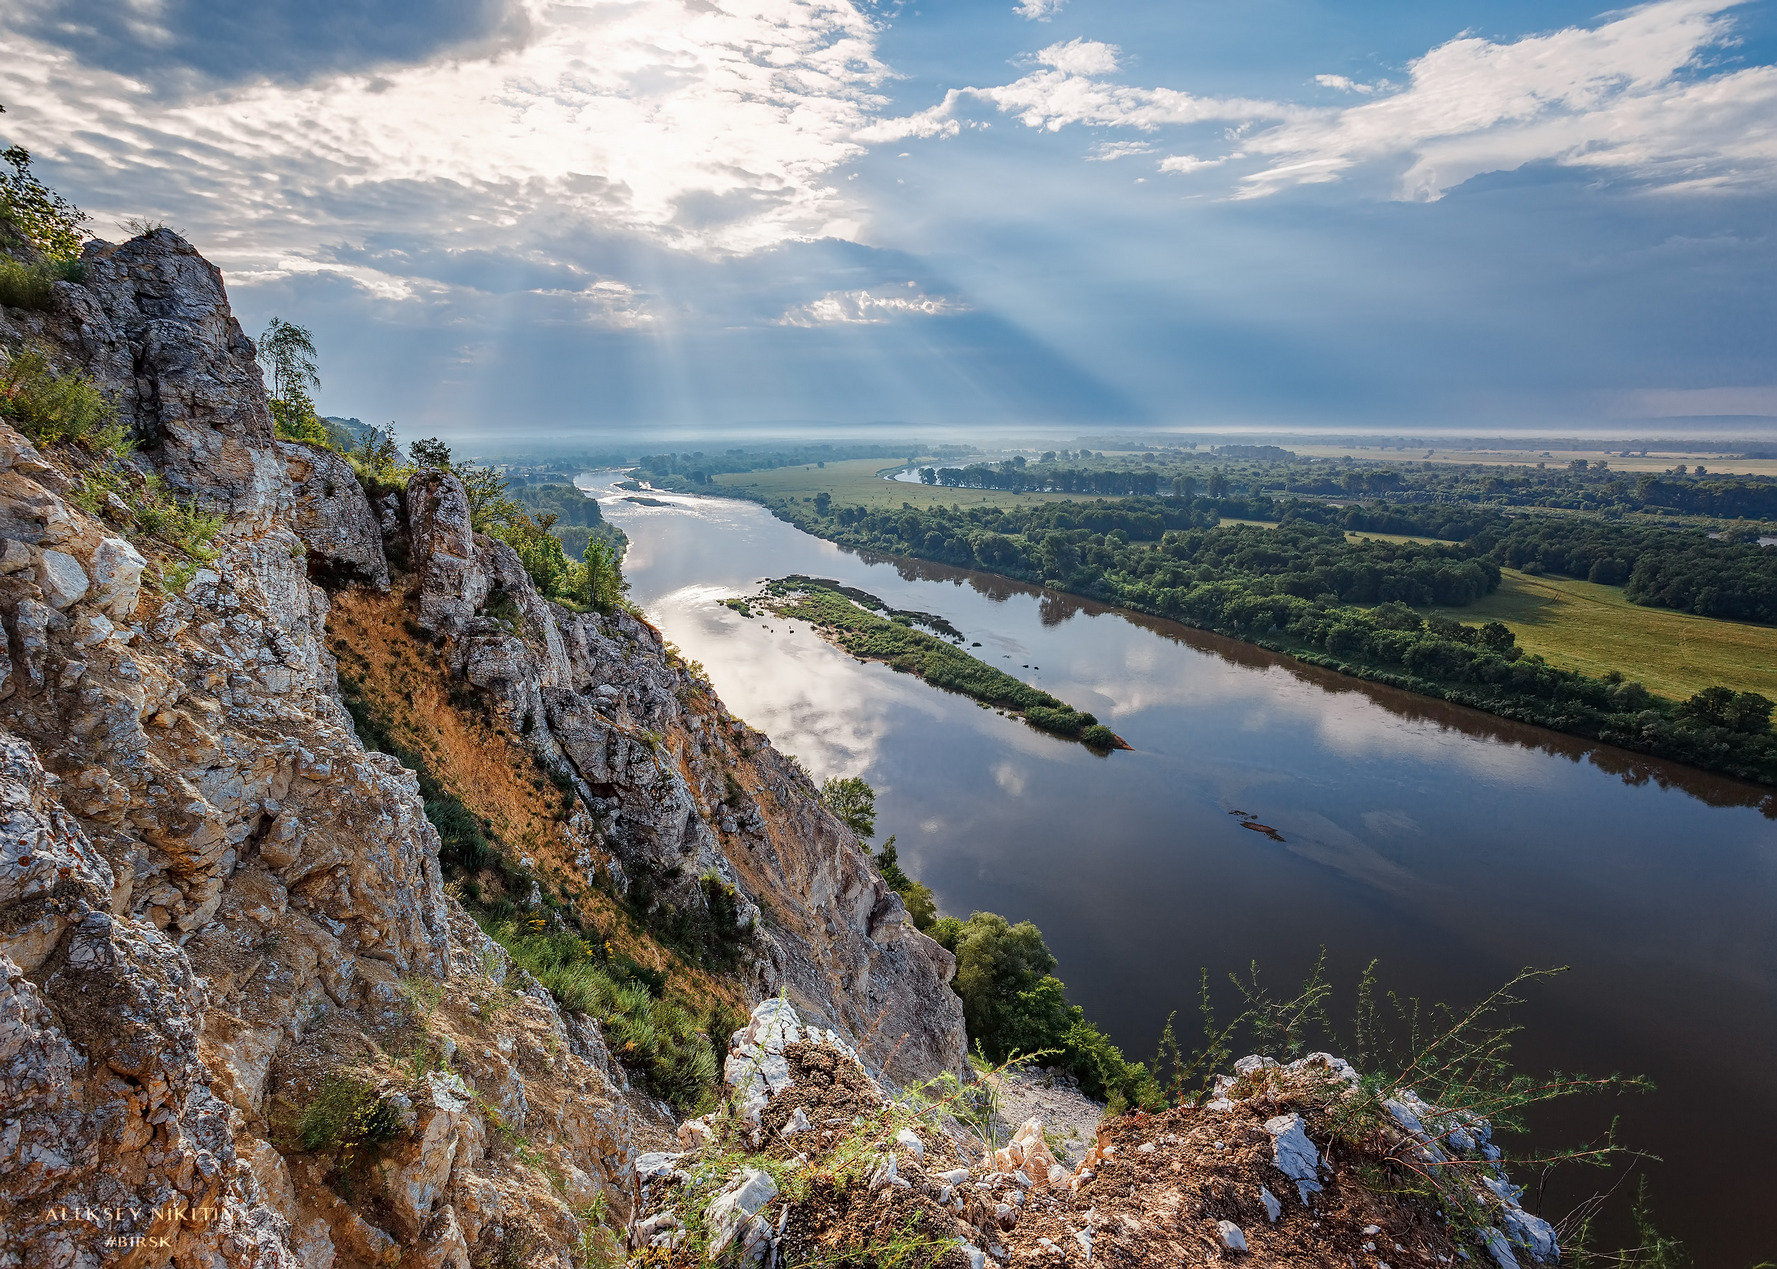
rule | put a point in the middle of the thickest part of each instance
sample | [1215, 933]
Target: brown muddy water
[1453, 846]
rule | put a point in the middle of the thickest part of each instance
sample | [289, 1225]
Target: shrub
[922, 904]
[49, 407]
[25, 285]
[346, 1113]
[853, 801]
[664, 1039]
[1013, 1005]
[1098, 736]
[294, 419]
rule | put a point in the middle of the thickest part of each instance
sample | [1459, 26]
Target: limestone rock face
[206, 881]
[649, 749]
[342, 534]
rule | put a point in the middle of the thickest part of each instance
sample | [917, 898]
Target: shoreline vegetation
[861, 624]
[1305, 586]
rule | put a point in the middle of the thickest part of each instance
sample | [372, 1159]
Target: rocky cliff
[243, 1018]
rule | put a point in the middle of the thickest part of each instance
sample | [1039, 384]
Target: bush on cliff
[595, 581]
[665, 1039]
[922, 904]
[33, 215]
[50, 407]
[853, 801]
[1013, 1005]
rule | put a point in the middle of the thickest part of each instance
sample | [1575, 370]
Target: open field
[855, 482]
[1656, 461]
[1354, 535]
[1592, 628]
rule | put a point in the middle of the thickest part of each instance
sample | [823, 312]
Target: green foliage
[922, 905]
[1296, 589]
[1013, 1005]
[34, 214]
[294, 419]
[853, 801]
[601, 583]
[707, 931]
[346, 1114]
[288, 350]
[1745, 712]
[850, 624]
[541, 554]
[49, 407]
[377, 459]
[665, 1039]
[141, 503]
[26, 285]
[432, 453]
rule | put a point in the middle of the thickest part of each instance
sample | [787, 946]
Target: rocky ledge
[811, 1161]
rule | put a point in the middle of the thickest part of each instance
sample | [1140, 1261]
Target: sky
[671, 217]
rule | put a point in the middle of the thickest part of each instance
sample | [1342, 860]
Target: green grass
[664, 1038]
[1362, 535]
[855, 482]
[865, 634]
[1592, 628]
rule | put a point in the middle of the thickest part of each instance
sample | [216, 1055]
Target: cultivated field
[1592, 628]
[855, 482]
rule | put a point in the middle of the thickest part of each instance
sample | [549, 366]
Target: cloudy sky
[537, 216]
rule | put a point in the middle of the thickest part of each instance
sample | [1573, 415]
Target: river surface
[1453, 846]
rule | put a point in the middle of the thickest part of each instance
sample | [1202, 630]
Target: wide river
[1454, 847]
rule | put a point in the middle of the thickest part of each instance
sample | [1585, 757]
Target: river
[1453, 846]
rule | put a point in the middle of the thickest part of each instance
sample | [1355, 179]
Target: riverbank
[1717, 729]
[1453, 845]
[849, 623]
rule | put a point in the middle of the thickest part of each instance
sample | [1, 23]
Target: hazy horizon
[668, 217]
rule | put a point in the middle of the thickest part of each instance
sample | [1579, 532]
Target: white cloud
[868, 307]
[1106, 151]
[1635, 95]
[1343, 84]
[1068, 92]
[701, 127]
[1187, 163]
[1080, 57]
[1631, 94]
[1010, 777]
[1038, 10]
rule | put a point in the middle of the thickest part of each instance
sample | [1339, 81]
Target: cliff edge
[244, 1020]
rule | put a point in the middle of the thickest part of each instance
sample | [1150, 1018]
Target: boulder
[334, 519]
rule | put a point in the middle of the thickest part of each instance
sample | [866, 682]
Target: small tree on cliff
[288, 351]
[32, 212]
[853, 801]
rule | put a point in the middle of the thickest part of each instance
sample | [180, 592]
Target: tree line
[1303, 588]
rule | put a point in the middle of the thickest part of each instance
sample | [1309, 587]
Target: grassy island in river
[866, 627]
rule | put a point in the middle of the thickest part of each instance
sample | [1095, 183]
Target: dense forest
[1305, 588]
[572, 518]
[696, 467]
[1251, 470]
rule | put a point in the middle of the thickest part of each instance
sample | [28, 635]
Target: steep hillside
[244, 1019]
